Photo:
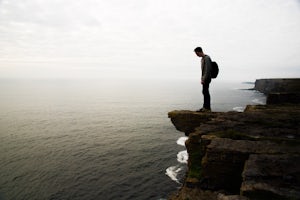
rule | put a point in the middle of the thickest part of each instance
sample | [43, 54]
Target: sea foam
[239, 109]
[257, 101]
[182, 156]
[181, 141]
[173, 171]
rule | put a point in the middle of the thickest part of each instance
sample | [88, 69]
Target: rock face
[278, 176]
[186, 121]
[250, 155]
[280, 90]
[279, 98]
[268, 86]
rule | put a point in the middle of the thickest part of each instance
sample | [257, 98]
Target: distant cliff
[278, 85]
[250, 155]
[280, 90]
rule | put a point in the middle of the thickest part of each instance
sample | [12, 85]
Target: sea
[77, 139]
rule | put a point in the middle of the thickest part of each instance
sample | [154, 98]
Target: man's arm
[206, 70]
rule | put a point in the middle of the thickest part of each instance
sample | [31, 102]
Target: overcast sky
[148, 39]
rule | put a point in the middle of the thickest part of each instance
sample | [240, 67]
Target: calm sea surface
[93, 139]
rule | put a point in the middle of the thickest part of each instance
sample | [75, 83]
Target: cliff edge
[280, 90]
[250, 155]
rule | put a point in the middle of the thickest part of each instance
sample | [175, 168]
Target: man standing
[205, 79]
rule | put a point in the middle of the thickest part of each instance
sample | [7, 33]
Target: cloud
[144, 38]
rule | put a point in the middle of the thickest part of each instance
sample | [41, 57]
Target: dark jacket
[206, 69]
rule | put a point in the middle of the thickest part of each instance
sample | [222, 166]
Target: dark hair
[198, 49]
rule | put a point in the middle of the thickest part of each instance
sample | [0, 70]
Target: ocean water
[99, 139]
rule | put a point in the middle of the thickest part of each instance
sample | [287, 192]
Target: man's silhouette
[205, 79]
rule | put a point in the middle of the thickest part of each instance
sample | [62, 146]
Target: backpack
[214, 69]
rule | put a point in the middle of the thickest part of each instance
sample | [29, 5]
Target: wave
[173, 172]
[182, 157]
[239, 109]
[258, 101]
[181, 141]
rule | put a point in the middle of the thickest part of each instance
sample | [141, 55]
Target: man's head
[198, 51]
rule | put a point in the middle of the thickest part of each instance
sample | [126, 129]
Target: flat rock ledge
[253, 154]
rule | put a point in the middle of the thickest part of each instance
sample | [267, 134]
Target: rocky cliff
[280, 90]
[250, 155]
[278, 85]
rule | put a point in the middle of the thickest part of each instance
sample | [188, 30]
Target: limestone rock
[186, 121]
[290, 85]
[283, 98]
[221, 144]
[276, 176]
[250, 155]
[280, 91]
[230, 197]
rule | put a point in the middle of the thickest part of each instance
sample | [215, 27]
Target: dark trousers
[206, 95]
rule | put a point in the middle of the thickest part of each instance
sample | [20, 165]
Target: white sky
[148, 39]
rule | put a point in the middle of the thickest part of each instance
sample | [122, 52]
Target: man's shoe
[204, 110]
